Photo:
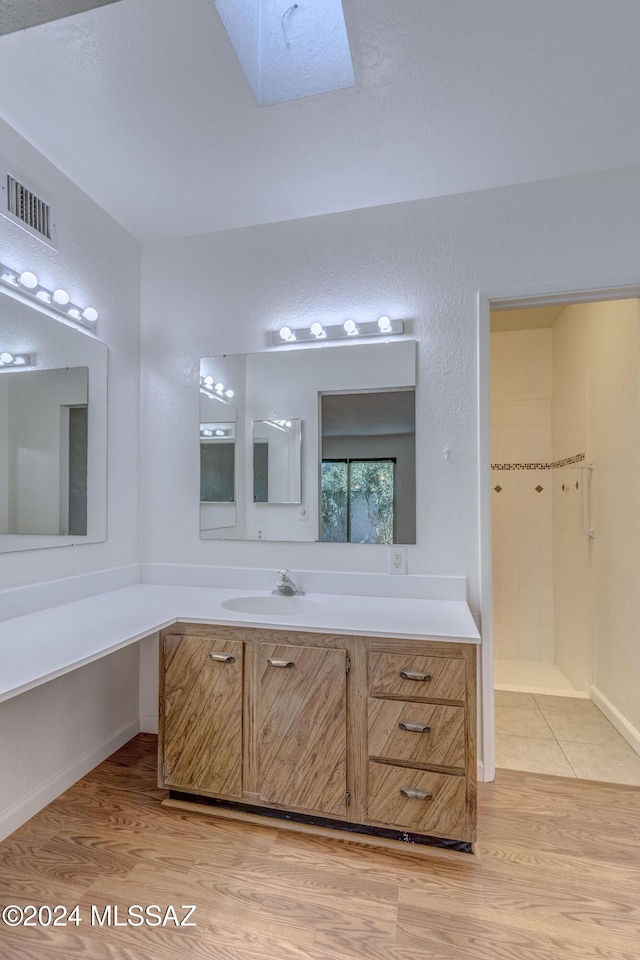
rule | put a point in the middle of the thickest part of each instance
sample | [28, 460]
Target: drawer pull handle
[415, 727]
[414, 675]
[273, 662]
[222, 657]
[412, 794]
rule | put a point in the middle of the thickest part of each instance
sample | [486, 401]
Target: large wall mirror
[309, 444]
[53, 432]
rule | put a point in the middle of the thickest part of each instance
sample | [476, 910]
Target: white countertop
[41, 646]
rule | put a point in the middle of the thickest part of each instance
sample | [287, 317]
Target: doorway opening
[565, 471]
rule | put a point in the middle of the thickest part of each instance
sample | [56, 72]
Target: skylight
[289, 49]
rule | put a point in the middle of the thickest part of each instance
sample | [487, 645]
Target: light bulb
[288, 423]
[350, 327]
[28, 280]
[385, 324]
[228, 393]
[90, 315]
[61, 297]
[207, 433]
[286, 333]
[220, 433]
[19, 361]
[6, 357]
[219, 387]
[74, 313]
[208, 381]
[316, 329]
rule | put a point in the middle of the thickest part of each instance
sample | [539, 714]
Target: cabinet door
[301, 714]
[202, 727]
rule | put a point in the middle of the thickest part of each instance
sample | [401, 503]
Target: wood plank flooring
[556, 877]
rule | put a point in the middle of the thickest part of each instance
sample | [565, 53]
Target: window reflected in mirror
[358, 501]
[367, 480]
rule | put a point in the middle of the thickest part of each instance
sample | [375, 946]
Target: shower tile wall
[522, 541]
[522, 480]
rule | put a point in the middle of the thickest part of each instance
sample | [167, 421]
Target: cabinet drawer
[435, 733]
[401, 675]
[439, 806]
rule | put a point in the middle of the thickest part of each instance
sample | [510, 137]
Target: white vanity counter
[41, 646]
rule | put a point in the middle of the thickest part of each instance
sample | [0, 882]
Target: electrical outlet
[397, 560]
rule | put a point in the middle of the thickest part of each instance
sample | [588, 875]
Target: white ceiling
[144, 105]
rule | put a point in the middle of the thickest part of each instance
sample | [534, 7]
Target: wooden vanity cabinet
[201, 708]
[333, 732]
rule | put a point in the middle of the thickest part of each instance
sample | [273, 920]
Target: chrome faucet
[285, 585]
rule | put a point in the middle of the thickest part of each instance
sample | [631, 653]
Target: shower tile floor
[565, 735]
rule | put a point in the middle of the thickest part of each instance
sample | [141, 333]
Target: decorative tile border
[567, 462]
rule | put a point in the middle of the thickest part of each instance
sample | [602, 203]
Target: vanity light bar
[216, 391]
[15, 360]
[350, 329]
[57, 300]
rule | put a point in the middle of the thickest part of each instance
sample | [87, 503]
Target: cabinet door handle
[222, 657]
[412, 794]
[274, 662]
[415, 727]
[414, 675]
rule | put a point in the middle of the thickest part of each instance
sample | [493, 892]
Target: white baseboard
[480, 771]
[148, 723]
[622, 725]
[38, 798]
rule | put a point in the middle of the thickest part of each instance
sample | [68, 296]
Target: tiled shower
[538, 452]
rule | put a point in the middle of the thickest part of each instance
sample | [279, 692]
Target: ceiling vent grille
[28, 208]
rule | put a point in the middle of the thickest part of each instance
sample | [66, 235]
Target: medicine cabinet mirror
[53, 432]
[323, 444]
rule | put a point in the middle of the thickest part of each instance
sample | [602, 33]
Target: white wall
[54, 734]
[521, 383]
[424, 261]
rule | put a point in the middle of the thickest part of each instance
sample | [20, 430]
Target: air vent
[26, 208]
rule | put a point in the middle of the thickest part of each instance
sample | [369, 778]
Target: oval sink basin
[271, 605]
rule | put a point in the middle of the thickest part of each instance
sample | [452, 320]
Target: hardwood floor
[556, 877]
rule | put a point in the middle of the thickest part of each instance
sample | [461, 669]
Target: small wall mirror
[278, 469]
[53, 432]
[276, 461]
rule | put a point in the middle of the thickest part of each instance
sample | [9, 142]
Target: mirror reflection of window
[367, 478]
[358, 501]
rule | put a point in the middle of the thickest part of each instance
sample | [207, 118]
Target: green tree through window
[358, 498]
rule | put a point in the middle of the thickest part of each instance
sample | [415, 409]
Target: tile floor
[562, 735]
